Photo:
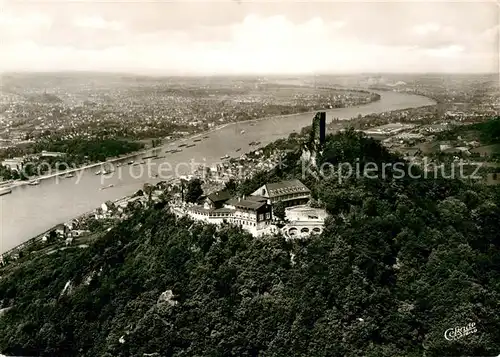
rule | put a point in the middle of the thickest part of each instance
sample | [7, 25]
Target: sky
[257, 37]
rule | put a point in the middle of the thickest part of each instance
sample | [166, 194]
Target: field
[486, 150]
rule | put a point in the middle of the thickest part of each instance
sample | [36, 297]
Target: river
[30, 210]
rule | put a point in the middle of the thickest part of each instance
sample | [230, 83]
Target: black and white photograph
[226, 178]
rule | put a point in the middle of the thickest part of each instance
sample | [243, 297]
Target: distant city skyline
[229, 37]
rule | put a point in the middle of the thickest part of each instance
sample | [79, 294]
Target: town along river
[30, 210]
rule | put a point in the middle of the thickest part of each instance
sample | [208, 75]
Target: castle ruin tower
[319, 128]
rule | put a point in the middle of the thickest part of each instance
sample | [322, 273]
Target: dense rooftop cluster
[36, 106]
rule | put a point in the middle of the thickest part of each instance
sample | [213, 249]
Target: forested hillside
[488, 131]
[399, 263]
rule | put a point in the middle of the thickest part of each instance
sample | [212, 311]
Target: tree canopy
[193, 190]
[399, 262]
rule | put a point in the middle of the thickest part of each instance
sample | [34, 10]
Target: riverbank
[17, 183]
[30, 210]
[5, 256]
[40, 236]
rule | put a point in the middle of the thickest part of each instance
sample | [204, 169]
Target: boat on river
[5, 191]
[108, 186]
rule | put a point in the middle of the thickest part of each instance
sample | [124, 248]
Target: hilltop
[400, 261]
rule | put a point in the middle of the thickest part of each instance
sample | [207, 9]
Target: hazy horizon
[242, 74]
[249, 38]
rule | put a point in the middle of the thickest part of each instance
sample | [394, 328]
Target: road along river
[30, 210]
